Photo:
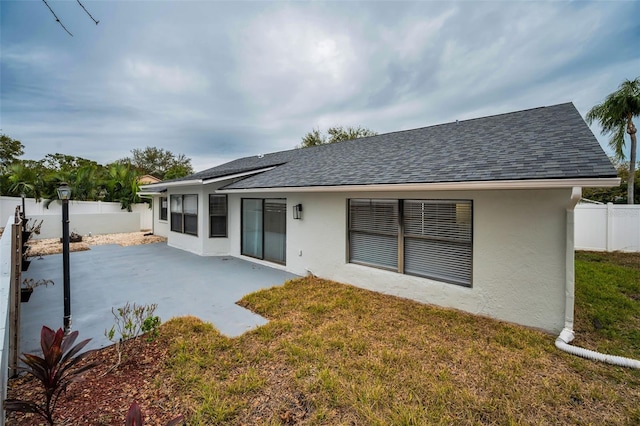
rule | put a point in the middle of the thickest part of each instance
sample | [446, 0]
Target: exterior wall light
[64, 191]
[297, 211]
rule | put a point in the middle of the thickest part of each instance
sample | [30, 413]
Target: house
[147, 179]
[475, 215]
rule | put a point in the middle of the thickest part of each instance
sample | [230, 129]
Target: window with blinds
[184, 214]
[438, 239]
[429, 238]
[373, 232]
[217, 215]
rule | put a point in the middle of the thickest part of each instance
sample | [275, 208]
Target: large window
[428, 238]
[217, 215]
[184, 214]
[163, 208]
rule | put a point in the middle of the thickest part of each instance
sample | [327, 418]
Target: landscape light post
[64, 193]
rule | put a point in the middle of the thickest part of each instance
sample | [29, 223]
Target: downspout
[567, 334]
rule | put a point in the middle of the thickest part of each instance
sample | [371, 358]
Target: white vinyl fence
[85, 217]
[607, 227]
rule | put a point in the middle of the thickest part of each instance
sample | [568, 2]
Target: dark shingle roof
[542, 143]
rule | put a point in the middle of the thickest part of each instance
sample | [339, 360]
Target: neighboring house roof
[147, 179]
[536, 144]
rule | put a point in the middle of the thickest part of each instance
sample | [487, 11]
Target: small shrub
[56, 370]
[130, 322]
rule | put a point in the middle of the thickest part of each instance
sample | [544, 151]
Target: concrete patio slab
[181, 283]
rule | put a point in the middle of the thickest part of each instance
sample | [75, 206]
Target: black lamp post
[64, 193]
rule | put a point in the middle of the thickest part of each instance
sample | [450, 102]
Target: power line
[60, 22]
[57, 19]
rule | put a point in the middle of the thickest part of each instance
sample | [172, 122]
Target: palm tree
[615, 115]
[25, 180]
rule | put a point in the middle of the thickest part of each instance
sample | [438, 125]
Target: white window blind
[434, 241]
[373, 236]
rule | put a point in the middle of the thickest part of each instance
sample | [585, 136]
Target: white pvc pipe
[562, 343]
[567, 335]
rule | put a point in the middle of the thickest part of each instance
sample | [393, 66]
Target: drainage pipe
[567, 334]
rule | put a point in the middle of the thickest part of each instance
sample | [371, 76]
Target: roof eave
[205, 180]
[171, 184]
[446, 186]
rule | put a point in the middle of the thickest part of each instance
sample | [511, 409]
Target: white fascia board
[147, 194]
[445, 186]
[171, 184]
[237, 175]
[203, 181]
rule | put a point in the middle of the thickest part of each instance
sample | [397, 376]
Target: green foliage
[132, 320]
[10, 150]
[608, 301]
[56, 369]
[615, 115]
[66, 163]
[159, 162]
[129, 322]
[150, 327]
[334, 134]
[89, 180]
[618, 194]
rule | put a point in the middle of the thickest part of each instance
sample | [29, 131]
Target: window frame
[461, 241]
[165, 209]
[225, 215]
[180, 217]
[264, 213]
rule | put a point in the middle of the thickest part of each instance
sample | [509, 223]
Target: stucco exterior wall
[201, 244]
[519, 243]
[159, 227]
[518, 252]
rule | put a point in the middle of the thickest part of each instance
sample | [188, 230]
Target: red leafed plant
[134, 417]
[56, 370]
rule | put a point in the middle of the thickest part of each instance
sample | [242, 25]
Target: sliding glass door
[264, 229]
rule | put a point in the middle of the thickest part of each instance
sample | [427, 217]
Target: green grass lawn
[335, 354]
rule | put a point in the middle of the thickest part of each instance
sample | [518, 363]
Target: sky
[218, 81]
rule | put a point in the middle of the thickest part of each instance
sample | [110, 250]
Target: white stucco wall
[518, 252]
[519, 243]
[202, 244]
[159, 227]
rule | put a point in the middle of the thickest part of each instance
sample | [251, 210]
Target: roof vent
[457, 122]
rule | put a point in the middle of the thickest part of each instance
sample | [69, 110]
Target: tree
[157, 162]
[25, 180]
[618, 194]
[10, 150]
[334, 134]
[615, 115]
[66, 163]
[121, 184]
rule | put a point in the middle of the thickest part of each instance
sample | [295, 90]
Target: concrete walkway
[108, 276]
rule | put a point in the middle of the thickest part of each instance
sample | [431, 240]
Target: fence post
[609, 227]
[14, 295]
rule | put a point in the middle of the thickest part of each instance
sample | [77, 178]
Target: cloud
[146, 75]
[220, 80]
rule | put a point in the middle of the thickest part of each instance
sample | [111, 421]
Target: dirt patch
[54, 246]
